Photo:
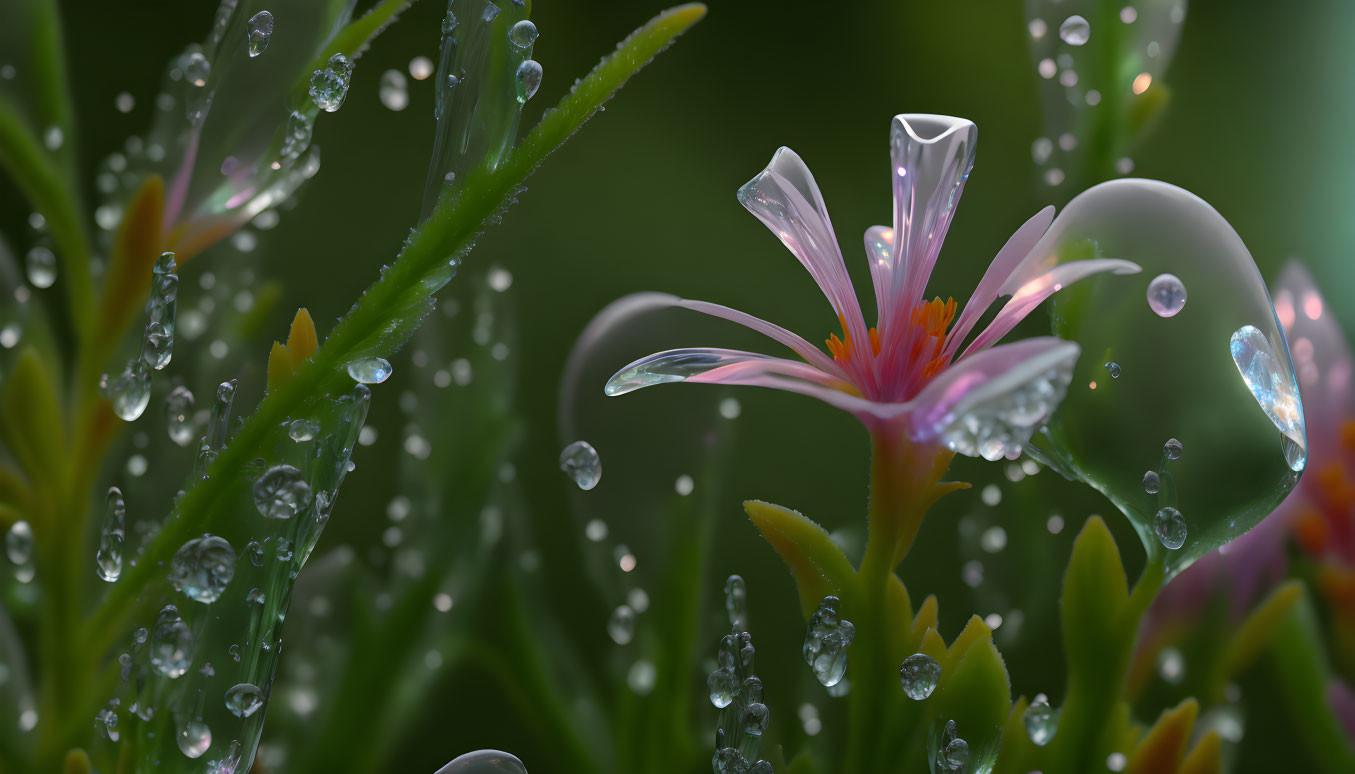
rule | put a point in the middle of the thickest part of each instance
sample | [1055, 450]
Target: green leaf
[976, 694]
[819, 567]
[30, 420]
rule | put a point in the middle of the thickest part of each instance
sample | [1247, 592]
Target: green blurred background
[1262, 110]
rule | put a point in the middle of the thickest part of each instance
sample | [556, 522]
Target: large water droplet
[621, 626]
[40, 265]
[1179, 377]
[171, 643]
[179, 416]
[523, 34]
[129, 392]
[919, 675]
[111, 535]
[1075, 31]
[579, 461]
[244, 699]
[1170, 527]
[202, 568]
[528, 79]
[1166, 295]
[1041, 722]
[826, 641]
[329, 87]
[484, 762]
[260, 30]
[281, 492]
[721, 686]
[194, 738]
[369, 370]
[1273, 387]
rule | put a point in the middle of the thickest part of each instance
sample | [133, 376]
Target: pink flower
[913, 371]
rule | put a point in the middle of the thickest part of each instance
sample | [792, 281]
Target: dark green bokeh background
[1262, 113]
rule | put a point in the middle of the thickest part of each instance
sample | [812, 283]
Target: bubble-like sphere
[1207, 398]
[484, 762]
[1166, 295]
[281, 492]
[919, 675]
[202, 568]
[580, 461]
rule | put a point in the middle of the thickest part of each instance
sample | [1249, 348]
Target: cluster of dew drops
[393, 89]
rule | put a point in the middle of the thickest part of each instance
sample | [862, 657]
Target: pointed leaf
[279, 365]
[301, 340]
[1094, 590]
[1165, 742]
[817, 564]
[976, 693]
[30, 419]
[1256, 631]
[1206, 757]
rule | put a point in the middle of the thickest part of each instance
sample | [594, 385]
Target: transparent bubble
[919, 675]
[1075, 31]
[244, 700]
[1166, 295]
[1184, 378]
[484, 762]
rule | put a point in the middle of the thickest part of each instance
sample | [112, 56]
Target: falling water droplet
[394, 90]
[244, 700]
[260, 30]
[178, 416]
[736, 602]
[1075, 31]
[826, 642]
[194, 738]
[301, 430]
[130, 391]
[369, 370]
[111, 536]
[1041, 722]
[621, 626]
[528, 79]
[919, 675]
[40, 265]
[1152, 482]
[580, 461]
[523, 34]
[1114, 369]
[484, 762]
[1170, 527]
[1166, 295]
[202, 567]
[281, 492]
[171, 643]
[329, 87]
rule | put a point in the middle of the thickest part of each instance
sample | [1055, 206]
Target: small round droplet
[171, 643]
[528, 79]
[523, 34]
[1166, 295]
[1114, 369]
[1075, 31]
[244, 700]
[621, 626]
[1172, 449]
[369, 370]
[579, 461]
[40, 265]
[1041, 722]
[919, 675]
[202, 568]
[260, 30]
[1170, 527]
[281, 492]
[301, 430]
[1152, 482]
[755, 718]
[194, 738]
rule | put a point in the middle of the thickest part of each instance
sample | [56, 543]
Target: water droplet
[202, 568]
[1274, 388]
[953, 753]
[1041, 722]
[1075, 31]
[19, 549]
[579, 461]
[178, 416]
[40, 265]
[528, 79]
[281, 492]
[129, 392]
[1166, 295]
[736, 602]
[194, 738]
[284, 551]
[260, 30]
[369, 370]
[523, 34]
[1170, 527]
[1152, 482]
[721, 687]
[234, 650]
[1172, 449]
[297, 136]
[171, 643]
[919, 675]
[301, 430]
[111, 536]
[255, 596]
[641, 677]
[1171, 665]
[1114, 369]
[394, 90]
[329, 87]
[484, 762]
[755, 716]
[195, 67]
[244, 700]
[621, 626]
[1041, 149]
[826, 642]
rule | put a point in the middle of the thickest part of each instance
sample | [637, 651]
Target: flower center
[915, 352]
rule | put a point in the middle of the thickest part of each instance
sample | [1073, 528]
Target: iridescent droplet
[919, 675]
[484, 762]
[523, 34]
[1152, 482]
[1114, 369]
[202, 568]
[281, 492]
[329, 87]
[621, 625]
[369, 370]
[1075, 31]
[194, 738]
[1041, 722]
[40, 265]
[826, 642]
[528, 79]
[1166, 295]
[244, 699]
[1274, 388]
[580, 461]
[1170, 527]
[259, 30]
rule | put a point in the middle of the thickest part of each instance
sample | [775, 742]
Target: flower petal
[1322, 358]
[989, 404]
[785, 197]
[1032, 293]
[797, 344]
[1018, 246]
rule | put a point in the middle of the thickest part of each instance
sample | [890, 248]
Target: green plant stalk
[381, 320]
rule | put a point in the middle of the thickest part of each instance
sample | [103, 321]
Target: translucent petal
[1234, 411]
